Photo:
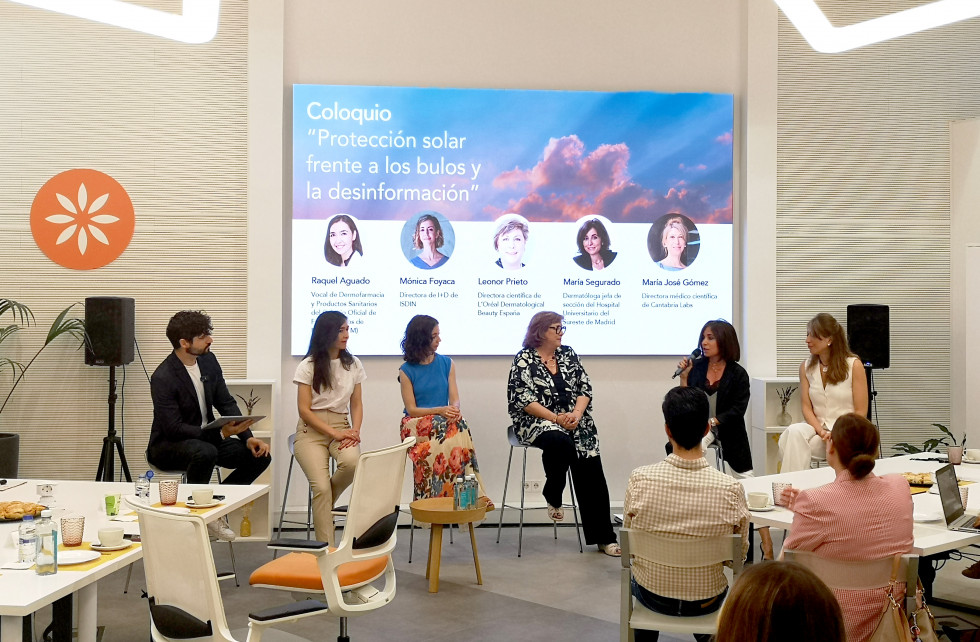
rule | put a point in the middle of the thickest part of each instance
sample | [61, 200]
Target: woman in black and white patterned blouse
[549, 398]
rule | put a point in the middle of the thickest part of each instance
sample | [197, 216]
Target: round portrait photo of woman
[510, 240]
[594, 245]
[343, 241]
[428, 240]
[673, 242]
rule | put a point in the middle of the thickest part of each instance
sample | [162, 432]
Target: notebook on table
[957, 519]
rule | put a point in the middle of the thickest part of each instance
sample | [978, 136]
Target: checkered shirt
[683, 499]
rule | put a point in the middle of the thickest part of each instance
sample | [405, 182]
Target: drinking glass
[72, 528]
[168, 491]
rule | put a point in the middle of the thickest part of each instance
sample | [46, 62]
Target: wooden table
[438, 511]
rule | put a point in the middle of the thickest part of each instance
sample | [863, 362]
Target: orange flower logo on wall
[82, 219]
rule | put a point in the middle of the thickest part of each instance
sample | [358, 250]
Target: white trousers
[798, 443]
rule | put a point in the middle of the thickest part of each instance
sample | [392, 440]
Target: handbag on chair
[922, 624]
[893, 626]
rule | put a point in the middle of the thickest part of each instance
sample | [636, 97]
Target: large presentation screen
[482, 207]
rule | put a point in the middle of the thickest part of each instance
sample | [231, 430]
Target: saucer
[927, 516]
[967, 460]
[66, 558]
[763, 510]
[105, 549]
[190, 504]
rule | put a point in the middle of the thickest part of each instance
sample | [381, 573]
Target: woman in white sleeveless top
[832, 383]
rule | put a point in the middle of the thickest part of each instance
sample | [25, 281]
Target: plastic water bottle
[46, 560]
[143, 487]
[26, 540]
[471, 490]
[459, 493]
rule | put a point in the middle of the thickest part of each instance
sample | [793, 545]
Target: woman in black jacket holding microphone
[726, 383]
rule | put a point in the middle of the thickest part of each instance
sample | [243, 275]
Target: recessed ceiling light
[198, 22]
[813, 25]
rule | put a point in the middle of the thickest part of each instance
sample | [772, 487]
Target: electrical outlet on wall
[533, 485]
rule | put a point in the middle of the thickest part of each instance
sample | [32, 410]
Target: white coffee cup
[973, 454]
[202, 496]
[758, 500]
[111, 536]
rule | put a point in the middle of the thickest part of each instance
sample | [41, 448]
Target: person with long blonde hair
[832, 383]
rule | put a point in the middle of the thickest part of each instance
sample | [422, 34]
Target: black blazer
[176, 412]
[585, 261]
[730, 405]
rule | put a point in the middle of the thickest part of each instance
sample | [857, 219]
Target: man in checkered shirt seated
[683, 497]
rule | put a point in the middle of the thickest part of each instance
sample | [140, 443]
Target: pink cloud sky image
[570, 182]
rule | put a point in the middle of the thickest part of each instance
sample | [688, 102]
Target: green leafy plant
[23, 317]
[929, 445]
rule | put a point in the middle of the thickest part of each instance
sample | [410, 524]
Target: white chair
[185, 599]
[516, 443]
[345, 575]
[861, 575]
[182, 476]
[675, 553]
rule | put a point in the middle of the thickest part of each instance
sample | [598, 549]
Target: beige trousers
[313, 452]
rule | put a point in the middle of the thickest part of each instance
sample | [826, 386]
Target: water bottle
[26, 540]
[471, 491]
[459, 494]
[46, 560]
[143, 488]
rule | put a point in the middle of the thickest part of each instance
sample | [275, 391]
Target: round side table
[438, 511]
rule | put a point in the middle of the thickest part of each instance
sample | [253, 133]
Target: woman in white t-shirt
[330, 414]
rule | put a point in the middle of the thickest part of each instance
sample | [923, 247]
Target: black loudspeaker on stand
[109, 323]
[868, 336]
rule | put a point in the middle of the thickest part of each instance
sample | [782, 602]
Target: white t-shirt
[194, 372]
[337, 398]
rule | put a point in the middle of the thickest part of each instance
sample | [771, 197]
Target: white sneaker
[219, 529]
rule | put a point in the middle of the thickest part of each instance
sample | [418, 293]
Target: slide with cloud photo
[481, 207]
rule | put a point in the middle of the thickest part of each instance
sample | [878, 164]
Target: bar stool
[719, 455]
[515, 443]
[338, 512]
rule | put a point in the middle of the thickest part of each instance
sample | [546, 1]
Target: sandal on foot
[556, 514]
[611, 549]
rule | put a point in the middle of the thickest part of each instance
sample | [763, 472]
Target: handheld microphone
[695, 356]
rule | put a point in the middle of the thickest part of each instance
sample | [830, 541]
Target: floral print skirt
[442, 452]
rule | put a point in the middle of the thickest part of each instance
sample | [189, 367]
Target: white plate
[67, 558]
[967, 460]
[763, 510]
[190, 504]
[105, 549]
[927, 516]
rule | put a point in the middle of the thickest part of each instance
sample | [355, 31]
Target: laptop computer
[949, 493]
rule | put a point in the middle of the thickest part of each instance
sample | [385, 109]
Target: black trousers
[198, 459]
[558, 454]
[671, 606]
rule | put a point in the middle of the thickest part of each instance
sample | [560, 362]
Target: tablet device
[230, 419]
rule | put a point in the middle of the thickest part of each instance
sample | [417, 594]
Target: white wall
[965, 261]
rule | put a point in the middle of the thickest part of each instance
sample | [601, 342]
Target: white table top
[23, 591]
[930, 537]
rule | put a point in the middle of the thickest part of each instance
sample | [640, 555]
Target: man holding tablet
[186, 389]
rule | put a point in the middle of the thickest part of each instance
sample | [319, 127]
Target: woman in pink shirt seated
[859, 516]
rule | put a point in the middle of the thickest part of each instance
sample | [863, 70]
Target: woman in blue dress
[444, 447]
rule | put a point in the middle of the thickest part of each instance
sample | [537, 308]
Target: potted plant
[23, 317]
[955, 450]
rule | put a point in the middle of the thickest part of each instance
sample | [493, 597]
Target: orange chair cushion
[300, 570]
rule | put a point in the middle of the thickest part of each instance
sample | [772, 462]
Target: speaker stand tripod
[111, 443]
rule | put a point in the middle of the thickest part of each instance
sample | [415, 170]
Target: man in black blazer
[186, 388]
